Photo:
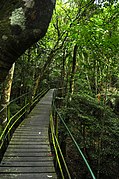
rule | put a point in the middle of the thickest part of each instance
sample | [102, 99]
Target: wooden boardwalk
[28, 155]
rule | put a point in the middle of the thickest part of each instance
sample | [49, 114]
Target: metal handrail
[39, 96]
[2, 137]
[14, 101]
[57, 148]
[58, 145]
[76, 144]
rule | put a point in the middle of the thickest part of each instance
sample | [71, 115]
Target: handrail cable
[56, 152]
[54, 137]
[7, 125]
[62, 157]
[54, 143]
[86, 162]
[11, 129]
[14, 101]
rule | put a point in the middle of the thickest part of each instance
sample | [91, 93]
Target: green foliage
[95, 127]
[14, 108]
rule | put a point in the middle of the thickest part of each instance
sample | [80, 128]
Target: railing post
[55, 117]
[56, 132]
[26, 109]
[8, 118]
[8, 113]
[56, 125]
[55, 122]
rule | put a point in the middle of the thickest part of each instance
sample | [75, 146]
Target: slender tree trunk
[63, 74]
[73, 69]
[36, 85]
[96, 78]
[5, 98]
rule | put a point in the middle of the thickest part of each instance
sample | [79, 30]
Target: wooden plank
[29, 140]
[45, 146]
[16, 150]
[27, 159]
[29, 176]
[29, 143]
[27, 154]
[27, 164]
[31, 129]
[36, 121]
[35, 133]
[35, 124]
[37, 136]
[32, 169]
[39, 132]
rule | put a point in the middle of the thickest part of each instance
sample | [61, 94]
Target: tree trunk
[63, 74]
[73, 69]
[36, 86]
[5, 98]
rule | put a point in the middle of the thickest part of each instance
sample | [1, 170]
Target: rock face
[22, 23]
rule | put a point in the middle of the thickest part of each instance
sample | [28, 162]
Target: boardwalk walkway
[28, 155]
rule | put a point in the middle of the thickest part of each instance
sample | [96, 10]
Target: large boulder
[22, 23]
